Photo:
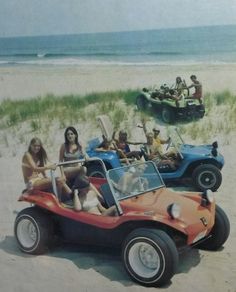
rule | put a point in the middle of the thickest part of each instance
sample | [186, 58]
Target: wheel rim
[166, 115]
[207, 179]
[26, 233]
[144, 260]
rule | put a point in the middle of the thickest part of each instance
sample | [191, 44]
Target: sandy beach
[83, 269]
[18, 82]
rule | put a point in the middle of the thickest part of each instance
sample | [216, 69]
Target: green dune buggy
[163, 102]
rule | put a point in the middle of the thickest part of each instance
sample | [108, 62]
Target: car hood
[204, 151]
[194, 218]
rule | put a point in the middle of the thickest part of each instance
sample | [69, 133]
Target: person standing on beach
[198, 88]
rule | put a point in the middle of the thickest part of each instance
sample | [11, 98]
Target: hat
[81, 182]
[156, 130]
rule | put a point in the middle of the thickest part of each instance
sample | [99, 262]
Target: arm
[100, 197]
[32, 165]
[134, 143]
[165, 141]
[61, 153]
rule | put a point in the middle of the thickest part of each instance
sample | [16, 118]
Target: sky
[49, 17]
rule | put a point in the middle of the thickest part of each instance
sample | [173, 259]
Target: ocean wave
[60, 55]
[41, 61]
[160, 53]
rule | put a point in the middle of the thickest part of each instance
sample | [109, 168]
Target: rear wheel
[167, 115]
[150, 256]
[207, 177]
[33, 230]
[141, 102]
[219, 233]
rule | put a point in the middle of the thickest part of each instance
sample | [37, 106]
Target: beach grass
[39, 114]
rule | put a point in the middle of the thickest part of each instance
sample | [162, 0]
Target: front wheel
[141, 102]
[207, 177]
[219, 233]
[150, 256]
[33, 230]
[167, 115]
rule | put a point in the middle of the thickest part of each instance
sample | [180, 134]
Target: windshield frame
[115, 192]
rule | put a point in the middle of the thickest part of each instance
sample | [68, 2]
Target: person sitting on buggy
[71, 150]
[34, 167]
[122, 146]
[105, 145]
[152, 152]
[166, 92]
[87, 198]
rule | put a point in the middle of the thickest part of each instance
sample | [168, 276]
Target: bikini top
[78, 154]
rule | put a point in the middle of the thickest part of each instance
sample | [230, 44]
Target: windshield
[135, 179]
[176, 139]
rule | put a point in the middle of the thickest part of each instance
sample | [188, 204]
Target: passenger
[159, 142]
[72, 150]
[87, 198]
[198, 88]
[131, 181]
[177, 92]
[34, 166]
[180, 85]
[105, 145]
[122, 145]
[153, 153]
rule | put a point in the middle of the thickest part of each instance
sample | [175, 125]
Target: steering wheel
[140, 185]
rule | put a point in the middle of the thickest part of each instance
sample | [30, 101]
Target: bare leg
[110, 211]
[42, 184]
[77, 204]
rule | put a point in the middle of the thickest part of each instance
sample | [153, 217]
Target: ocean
[180, 46]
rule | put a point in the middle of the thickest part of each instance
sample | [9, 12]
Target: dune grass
[14, 112]
[39, 115]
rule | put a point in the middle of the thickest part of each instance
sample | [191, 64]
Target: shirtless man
[198, 88]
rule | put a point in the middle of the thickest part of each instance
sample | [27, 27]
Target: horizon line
[113, 32]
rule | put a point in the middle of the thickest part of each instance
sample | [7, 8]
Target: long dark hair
[42, 154]
[73, 130]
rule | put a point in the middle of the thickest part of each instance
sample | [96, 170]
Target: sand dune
[83, 269]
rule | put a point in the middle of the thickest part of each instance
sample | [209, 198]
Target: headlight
[174, 210]
[210, 196]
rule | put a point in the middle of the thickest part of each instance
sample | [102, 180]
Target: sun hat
[156, 129]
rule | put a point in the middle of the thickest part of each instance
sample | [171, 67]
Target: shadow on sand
[105, 261]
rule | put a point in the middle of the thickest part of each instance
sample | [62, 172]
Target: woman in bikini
[34, 166]
[71, 150]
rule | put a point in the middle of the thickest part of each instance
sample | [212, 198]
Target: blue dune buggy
[198, 164]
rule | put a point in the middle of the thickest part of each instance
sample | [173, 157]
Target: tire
[167, 115]
[207, 177]
[95, 170]
[219, 233]
[141, 102]
[201, 111]
[150, 257]
[33, 230]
